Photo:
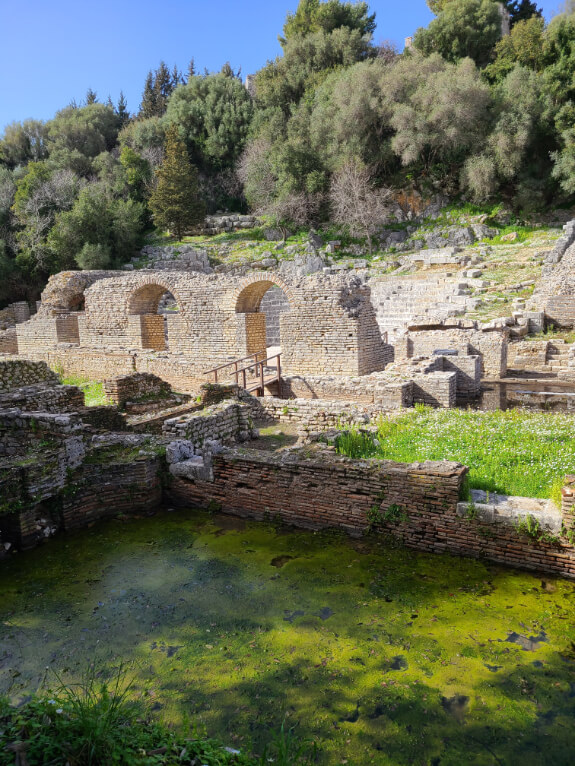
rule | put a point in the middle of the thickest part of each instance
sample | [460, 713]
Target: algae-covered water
[379, 654]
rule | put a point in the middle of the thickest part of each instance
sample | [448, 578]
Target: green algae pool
[379, 654]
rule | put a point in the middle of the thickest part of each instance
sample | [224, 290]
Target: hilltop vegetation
[337, 126]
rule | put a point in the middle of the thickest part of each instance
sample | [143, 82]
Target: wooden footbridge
[252, 373]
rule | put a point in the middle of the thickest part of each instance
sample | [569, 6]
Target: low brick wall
[228, 422]
[317, 493]
[107, 490]
[419, 499]
[130, 388]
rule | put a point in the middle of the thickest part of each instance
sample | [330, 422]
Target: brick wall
[8, 341]
[274, 303]
[129, 388]
[228, 422]
[323, 492]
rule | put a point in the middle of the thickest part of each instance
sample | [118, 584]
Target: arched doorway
[150, 309]
[261, 304]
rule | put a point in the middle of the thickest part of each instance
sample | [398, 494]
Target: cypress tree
[148, 105]
[175, 202]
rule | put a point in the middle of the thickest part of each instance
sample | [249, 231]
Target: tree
[464, 28]
[356, 202]
[122, 110]
[524, 46]
[158, 88]
[76, 136]
[96, 218]
[518, 10]
[213, 115]
[314, 16]
[306, 62]
[23, 142]
[91, 97]
[175, 202]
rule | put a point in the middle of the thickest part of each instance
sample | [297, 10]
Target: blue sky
[53, 51]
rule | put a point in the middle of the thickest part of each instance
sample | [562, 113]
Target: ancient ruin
[193, 358]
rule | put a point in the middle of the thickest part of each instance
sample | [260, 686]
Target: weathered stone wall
[319, 492]
[8, 341]
[130, 388]
[491, 346]
[228, 422]
[14, 314]
[15, 373]
[312, 416]
[274, 303]
[44, 398]
[330, 328]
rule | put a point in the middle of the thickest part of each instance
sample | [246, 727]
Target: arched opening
[67, 323]
[151, 309]
[262, 303]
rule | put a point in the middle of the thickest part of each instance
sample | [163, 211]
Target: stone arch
[247, 296]
[259, 320]
[150, 328]
[146, 298]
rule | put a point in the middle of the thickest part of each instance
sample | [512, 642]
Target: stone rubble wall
[16, 372]
[173, 258]
[43, 397]
[130, 388]
[311, 416]
[228, 222]
[228, 422]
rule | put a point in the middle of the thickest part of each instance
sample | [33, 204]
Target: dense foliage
[481, 105]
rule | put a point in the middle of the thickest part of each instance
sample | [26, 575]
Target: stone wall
[309, 415]
[8, 341]
[331, 327]
[491, 346]
[15, 373]
[14, 314]
[43, 397]
[131, 388]
[274, 303]
[417, 503]
[227, 422]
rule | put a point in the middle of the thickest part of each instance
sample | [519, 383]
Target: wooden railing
[253, 375]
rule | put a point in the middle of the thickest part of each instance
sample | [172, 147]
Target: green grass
[97, 722]
[93, 390]
[512, 452]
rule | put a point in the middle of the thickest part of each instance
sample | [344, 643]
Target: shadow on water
[381, 655]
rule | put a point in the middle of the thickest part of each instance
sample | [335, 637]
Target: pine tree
[122, 109]
[191, 69]
[175, 202]
[91, 97]
[163, 87]
[148, 106]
